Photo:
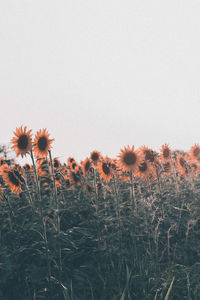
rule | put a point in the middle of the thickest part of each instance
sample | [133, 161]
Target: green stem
[29, 194]
[42, 218]
[118, 214]
[117, 199]
[175, 176]
[36, 177]
[54, 181]
[158, 180]
[57, 213]
[133, 197]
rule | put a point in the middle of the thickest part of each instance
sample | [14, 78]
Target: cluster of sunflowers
[143, 163]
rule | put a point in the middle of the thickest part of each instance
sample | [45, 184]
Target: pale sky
[101, 74]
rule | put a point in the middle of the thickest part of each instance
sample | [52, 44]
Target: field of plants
[119, 228]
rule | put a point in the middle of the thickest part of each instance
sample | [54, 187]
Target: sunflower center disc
[42, 143]
[129, 158]
[166, 153]
[149, 156]
[95, 157]
[73, 166]
[143, 167]
[27, 167]
[13, 179]
[105, 169]
[22, 142]
[55, 163]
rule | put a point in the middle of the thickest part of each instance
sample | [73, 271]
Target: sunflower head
[194, 167]
[195, 152]
[148, 154]
[56, 163]
[144, 169]
[70, 160]
[22, 142]
[129, 159]
[74, 167]
[42, 143]
[105, 169]
[2, 161]
[95, 156]
[86, 166]
[27, 168]
[18, 171]
[165, 152]
[10, 178]
[182, 165]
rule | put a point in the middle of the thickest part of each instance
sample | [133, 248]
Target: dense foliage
[105, 229]
[96, 246]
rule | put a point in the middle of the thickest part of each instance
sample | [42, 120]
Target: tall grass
[123, 241]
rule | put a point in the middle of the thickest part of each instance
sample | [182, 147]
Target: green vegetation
[72, 245]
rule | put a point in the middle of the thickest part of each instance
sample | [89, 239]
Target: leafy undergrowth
[104, 229]
[102, 245]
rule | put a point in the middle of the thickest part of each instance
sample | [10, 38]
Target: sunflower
[11, 179]
[105, 169]
[2, 161]
[56, 163]
[144, 169]
[148, 154]
[165, 152]
[19, 173]
[95, 156]
[42, 143]
[27, 168]
[22, 142]
[195, 152]
[86, 166]
[129, 159]
[182, 164]
[194, 167]
[70, 160]
[74, 167]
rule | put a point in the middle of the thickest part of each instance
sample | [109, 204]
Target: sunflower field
[106, 228]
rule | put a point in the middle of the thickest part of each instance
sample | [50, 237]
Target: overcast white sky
[101, 74]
